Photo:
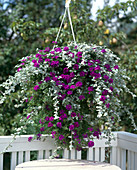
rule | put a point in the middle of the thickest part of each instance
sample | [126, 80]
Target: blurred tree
[23, 28]
[27, 25]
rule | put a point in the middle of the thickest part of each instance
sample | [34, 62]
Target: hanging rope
[67, 10]
[71, 26]
[61, 25]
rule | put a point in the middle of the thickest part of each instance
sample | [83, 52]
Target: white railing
[123, 151]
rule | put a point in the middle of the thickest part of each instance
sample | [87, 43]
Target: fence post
[1, 161]
[13, 160]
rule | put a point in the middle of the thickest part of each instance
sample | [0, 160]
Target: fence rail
[123, 150]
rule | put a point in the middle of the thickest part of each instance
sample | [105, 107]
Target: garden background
[29, 24]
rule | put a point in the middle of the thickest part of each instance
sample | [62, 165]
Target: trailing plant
[71, 93]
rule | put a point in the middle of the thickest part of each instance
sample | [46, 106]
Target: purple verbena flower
[40, 60]
[107, 66]
[68, 107]
[61, 137]
[71, 127]
[54, 63]
[66, 48]
[91, 68]
[34, 61]
[54, 79]
[97, 68]
[52, 52]
[76, 124]
[28, 116]
[65, 70]
[66, 87]
[47, 79]
[96, 133]
[103, 98]
[97, 75]
[38, 55]
[31, 97]
[40, 82]
[110, 81]
[40, 121]
[79, 84]
[116, 67]
[47, 60]
[85, 135]
[54, 42]
[90, 129]
[98, 61]
[62, 111]
[52, 74]
[36, 65]
[47, 118]
[72, 87]
[42, 129]
[50, 124]
[106, 78]
[90, 88]
[36, 87]
[30, 139]
[62, 96]
[72, 75]
[107, 105]
[51, 118]
[53, 132]
[81, 97]
[103, 51]
[105, 92]
[47, 49]
[82, 74]
[76, 66]
[111, 88]
[78, 148]
[23, 60]
[90, 143]
[93, 74]
[58, 50]
[79, 54]
[79, 60]
[59, 125]
[38, 136]
[73, 114]
[19, 69]
[69, 92]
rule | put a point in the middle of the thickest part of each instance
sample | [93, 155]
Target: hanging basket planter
[71, 93]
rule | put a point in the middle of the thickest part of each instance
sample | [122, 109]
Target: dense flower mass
[69, 92]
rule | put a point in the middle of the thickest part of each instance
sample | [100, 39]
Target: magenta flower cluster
[75, 91]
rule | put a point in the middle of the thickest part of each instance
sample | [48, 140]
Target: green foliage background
[26, 25]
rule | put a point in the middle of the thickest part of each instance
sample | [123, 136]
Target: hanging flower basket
[70, 92]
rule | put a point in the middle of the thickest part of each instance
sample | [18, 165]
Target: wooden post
[90, 154]
[13, 160]
[20, 159]
[27, 156]
[1, 162]
[40, 154]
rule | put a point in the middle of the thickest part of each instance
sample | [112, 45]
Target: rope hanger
[67, 10]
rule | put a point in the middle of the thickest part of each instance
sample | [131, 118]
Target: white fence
[123, 151]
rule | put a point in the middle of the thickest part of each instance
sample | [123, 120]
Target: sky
[98, 4]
